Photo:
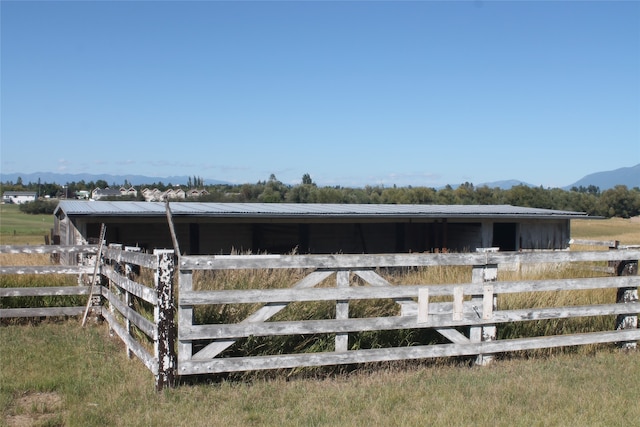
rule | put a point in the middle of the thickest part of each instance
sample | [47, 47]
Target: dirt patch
[33, 409]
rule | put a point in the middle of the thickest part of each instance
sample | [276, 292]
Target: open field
[627, 231]
[17, 228]
[56, 373]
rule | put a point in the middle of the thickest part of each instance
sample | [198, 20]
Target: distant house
[155, 195]
[82, 194]
[19, 197]
[151, 195]
[175, 194]
[197, 193]
[129, 191]
[99, 193]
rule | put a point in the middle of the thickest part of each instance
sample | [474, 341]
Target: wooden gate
[465, 314]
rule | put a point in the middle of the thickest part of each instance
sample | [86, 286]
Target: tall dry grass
[625, 230]
[35, 280]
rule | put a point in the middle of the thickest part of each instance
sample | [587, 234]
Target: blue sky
[415, 93]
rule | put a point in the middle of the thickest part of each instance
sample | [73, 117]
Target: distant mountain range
[624, 176]
[629, 176]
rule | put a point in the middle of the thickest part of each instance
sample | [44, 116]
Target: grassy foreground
[60, 374]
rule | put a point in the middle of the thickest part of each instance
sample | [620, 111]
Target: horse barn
[282, 228]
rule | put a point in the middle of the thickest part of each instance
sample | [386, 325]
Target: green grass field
[17, 228]
[57, 373]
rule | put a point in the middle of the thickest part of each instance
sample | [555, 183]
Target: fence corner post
[627, 295]
[164, 319]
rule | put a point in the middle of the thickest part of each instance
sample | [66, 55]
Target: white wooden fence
[82, 270]
[466, 315]
[140, 314]
[469, 305]
[125, 308]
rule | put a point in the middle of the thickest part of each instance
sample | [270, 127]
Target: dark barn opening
[504, 236]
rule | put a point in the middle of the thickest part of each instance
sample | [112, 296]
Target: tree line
[619, 201]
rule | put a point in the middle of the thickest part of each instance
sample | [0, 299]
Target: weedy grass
[626, 230]
[78, 376]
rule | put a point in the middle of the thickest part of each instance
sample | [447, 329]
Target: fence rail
[349, 261]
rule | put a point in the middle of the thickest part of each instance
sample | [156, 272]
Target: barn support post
[342, 311]
[627, 295]
[164, 345]
[484, 305]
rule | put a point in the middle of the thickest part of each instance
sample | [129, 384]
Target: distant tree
[39, 207]
[101, 183]
[299, 194]
[465, 194]
[328, 195]
[269, 195]
[306, 179]
[485, 196]
[592, 189]
[447, 196]
[620, 202]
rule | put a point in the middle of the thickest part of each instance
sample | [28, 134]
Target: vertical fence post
[627, 295]
[342, 311]
[164, 319]
[115, 290]
[484, 305]
[95, 282]
[185, 314]
[129, 272]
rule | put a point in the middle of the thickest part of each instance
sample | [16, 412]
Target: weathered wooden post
[95, 300]
[128, 271]
[342, 311]
[115, 290]
[185, 313]
[164, 346]
[484, 305]
[627, 295]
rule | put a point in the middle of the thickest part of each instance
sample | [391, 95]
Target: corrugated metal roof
[305, 210]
